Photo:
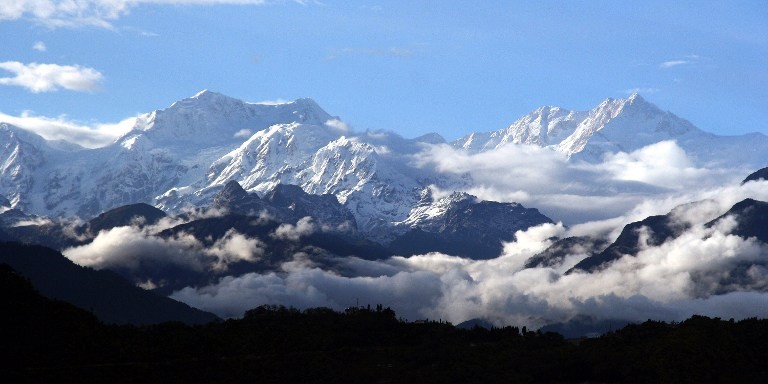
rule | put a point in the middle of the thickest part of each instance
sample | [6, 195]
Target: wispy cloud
[278, 101]
[338, 126]
[687, 60]
[93, 13]
[39, 78]
[673, 63]
[244, 133]
[39, 46]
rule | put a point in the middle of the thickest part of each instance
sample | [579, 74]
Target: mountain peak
[305, 101]
[231, 195]
[430, 138]
[233, 188]
[204, 93]
[636, 103]
[761, 174]
[213, 120]
[205, 97]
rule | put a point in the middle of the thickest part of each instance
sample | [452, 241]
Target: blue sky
[451, 67]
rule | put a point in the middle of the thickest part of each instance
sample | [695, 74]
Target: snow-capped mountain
[370, 180]
[287, 203]
[185, 154]
[619, 125]
[543, 127]
[166, 149]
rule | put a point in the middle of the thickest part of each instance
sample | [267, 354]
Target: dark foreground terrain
[44, 340]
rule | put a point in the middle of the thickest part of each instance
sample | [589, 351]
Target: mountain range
[181, 156]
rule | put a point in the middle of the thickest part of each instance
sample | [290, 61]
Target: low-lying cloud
[134, 248]
[532, 297]
[705, 270]
[304, 227]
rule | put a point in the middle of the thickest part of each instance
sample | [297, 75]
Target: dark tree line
[51, 341]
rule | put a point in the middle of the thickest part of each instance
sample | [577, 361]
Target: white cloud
[662, 164]
[570, 190]
[304, 227]
[687, 60]
[131, 248]
[234, 247]
[409, 292]
[60, 128]
[142, 251]
[39, 46]
[97, 13]
[244, 133]
[273, 102]
[39, 78]
[338, 126]
[673, 63]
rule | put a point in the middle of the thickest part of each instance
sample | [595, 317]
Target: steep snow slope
[543, 127]
[372, 181]
[26, 160]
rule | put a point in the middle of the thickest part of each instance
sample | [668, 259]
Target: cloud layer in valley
[704, 270]
[691, 274]
[574, 191]
[136, 247]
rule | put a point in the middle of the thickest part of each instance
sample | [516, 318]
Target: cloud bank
[135, 248]
[577, 192]
[61, 128]
[691, 274]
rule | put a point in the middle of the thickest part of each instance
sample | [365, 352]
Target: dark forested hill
[50, 341]
[108, 296]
